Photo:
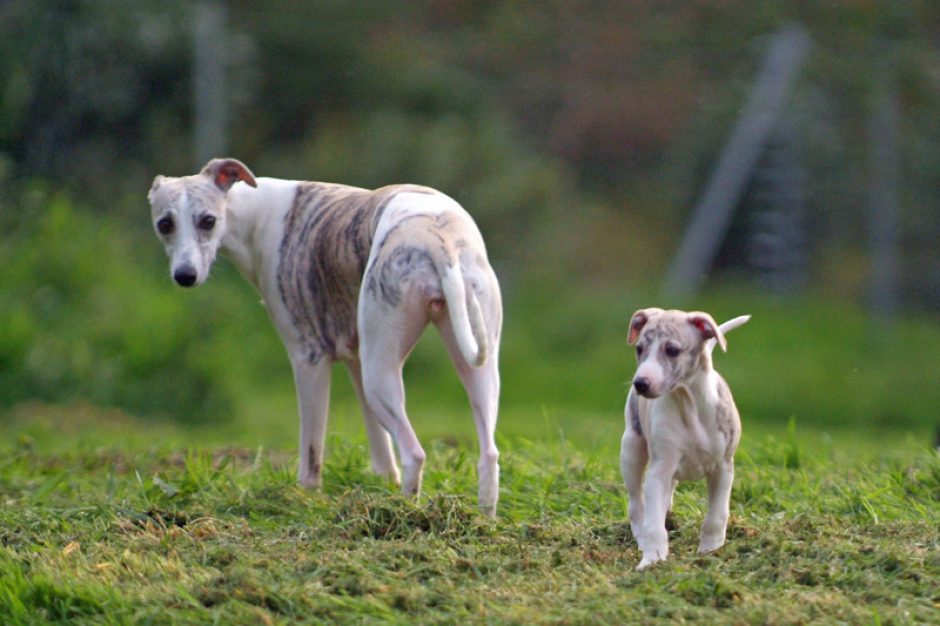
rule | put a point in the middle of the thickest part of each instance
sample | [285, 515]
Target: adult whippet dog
[680, 421]
[354, 275]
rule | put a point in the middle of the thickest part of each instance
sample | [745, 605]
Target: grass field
[108, 519]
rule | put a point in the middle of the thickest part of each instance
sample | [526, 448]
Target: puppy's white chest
[695, 464]
[679, 429]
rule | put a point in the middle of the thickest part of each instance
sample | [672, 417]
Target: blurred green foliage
[577, 132]
[83, 317]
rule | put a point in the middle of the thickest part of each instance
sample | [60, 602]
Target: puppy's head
[670, 348]
[189, 216]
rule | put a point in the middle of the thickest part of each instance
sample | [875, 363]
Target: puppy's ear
[708, 329]
[226, 172]
[637, 322]
[153, 188]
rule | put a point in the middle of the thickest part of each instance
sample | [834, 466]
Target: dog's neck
[250, 212]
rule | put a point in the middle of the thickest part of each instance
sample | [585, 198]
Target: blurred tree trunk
[736, 167]
[883, 190]
[210, 90]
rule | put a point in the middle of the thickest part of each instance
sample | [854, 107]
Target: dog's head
[189, 216]
[671, 347]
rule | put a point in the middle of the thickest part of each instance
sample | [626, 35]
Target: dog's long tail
[724, 328]
[466, 316]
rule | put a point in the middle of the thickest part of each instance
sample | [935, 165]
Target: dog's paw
[391, 475]
[710, 545]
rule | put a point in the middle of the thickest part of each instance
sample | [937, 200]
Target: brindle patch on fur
[397, 268]
[313, 463]
[634, 408]
[327, 238]
[413, 245]
[724, 418]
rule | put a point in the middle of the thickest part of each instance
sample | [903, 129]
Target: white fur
[688, 427]
[250, 229]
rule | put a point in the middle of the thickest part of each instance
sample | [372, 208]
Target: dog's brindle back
[328, 235]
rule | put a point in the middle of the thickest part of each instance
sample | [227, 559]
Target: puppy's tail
[466, 316]
[724, 328]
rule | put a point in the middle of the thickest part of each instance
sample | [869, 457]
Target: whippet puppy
[681, 422]
[353, 275]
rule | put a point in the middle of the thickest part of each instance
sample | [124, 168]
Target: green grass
[109, 519]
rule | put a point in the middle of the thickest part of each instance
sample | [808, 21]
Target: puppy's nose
[641, 384]
[185, 276]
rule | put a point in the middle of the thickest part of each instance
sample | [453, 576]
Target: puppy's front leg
[719, 496]
[312, 381]
[633, 458]
[658, 491]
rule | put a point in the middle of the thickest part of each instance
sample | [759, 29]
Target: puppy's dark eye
[206, 222]
[672, 351]
[165, 226]
[639, 351]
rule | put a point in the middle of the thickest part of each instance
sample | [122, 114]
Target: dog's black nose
[185, 276]
[642, 385]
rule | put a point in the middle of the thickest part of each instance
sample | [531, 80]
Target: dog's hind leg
[312, 381]
[482, 387]
[386, 337]
[380, 442]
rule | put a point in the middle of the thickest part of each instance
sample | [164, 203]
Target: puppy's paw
[310, 482]
[652, 556]
[489, 510]
[647, 561]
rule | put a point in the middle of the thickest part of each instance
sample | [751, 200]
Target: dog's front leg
[380, 443]
[312, 381]
[657, 491]
[719, 496]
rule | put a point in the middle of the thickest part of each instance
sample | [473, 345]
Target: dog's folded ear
[708, 328]
[226, 172]
[638, 321]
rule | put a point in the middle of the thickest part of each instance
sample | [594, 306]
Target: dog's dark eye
[165, 226]
[639, 350]
[672, 351]
[206, 222]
